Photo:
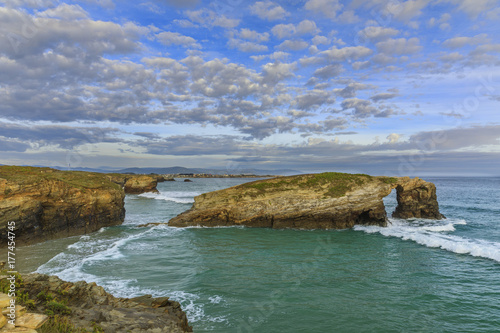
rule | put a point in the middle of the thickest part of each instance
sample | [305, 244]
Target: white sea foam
[433, 236]
[215, 299]
[178, 197]
[438, 228]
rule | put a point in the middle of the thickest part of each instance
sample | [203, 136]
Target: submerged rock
[316, 201]
[43, 203]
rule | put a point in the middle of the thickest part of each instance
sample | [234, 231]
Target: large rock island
[315, 201]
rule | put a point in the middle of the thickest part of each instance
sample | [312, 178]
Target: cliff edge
[46, 204]
[327, 200]
[87, 307]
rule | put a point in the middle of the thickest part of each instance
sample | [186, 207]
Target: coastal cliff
[136, 184]
[316, 201]
[87, 307]
[46, 204]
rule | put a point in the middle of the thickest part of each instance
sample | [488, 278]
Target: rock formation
[88, 305]
[136, 184]
[416, 198]
[45, 203]
[316, 201]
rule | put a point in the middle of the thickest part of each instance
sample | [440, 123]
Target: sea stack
[327, 200]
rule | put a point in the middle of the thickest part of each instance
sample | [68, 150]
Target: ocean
[412, 276]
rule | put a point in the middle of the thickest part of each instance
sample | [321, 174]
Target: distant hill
[98, 170]
[178, 169]
[169, 170]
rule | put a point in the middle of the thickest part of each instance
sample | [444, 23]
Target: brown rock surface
[90, 303]
[31, 320]
[136, 184]
[45, 203]
[416, 198]
[315, 201]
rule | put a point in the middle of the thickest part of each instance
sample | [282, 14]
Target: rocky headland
[46, 204]
[315, 201]
[47, 303]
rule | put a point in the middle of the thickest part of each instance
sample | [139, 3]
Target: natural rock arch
[315, 201]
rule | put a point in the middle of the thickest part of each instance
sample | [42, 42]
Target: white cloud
[253, 35]
[345, 53]
[103, 3]
[376, 34]
[245, 46]
[407, 10]
[394, 137]
[351, 89]
[306, 27]
[458, 42]
[451, 57]
[399, 46]
[474, 8]
[169, 38]
[209, 18]
[268, 10]
[290, 30]
[329, 71]
[487, 48]
[277, 71]
[29, 3]
[293, 45]
[383, 96]
[317, 40]
[65, 12]
[328, 8]
[348, 17]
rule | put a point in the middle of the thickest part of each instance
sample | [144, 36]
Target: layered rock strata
[46, 204]
[315, 201]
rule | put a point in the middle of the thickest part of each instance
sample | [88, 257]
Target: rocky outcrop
[316, 201]
[136, 184]
[88, 306]
[416, 198]
[46, 204]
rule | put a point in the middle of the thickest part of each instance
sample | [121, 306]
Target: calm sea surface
[413, 276]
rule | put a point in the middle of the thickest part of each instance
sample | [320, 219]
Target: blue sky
[384, 87]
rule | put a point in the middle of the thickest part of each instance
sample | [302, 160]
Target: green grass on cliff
[31, 175]
[336, 184]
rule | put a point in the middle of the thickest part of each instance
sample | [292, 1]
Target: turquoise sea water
[413, 276]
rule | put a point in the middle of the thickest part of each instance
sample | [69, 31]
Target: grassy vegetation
[79, 179]
[58, 311]
[336, 184]
[389, 180]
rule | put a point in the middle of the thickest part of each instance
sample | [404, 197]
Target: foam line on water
[433, 236]
[168, 197]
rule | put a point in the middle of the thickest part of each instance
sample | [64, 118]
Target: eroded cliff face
[416, 198]
[90, 305]
[318, 201]
[136, 184]
[46, 204]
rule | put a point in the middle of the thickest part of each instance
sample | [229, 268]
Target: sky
[374, 86]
